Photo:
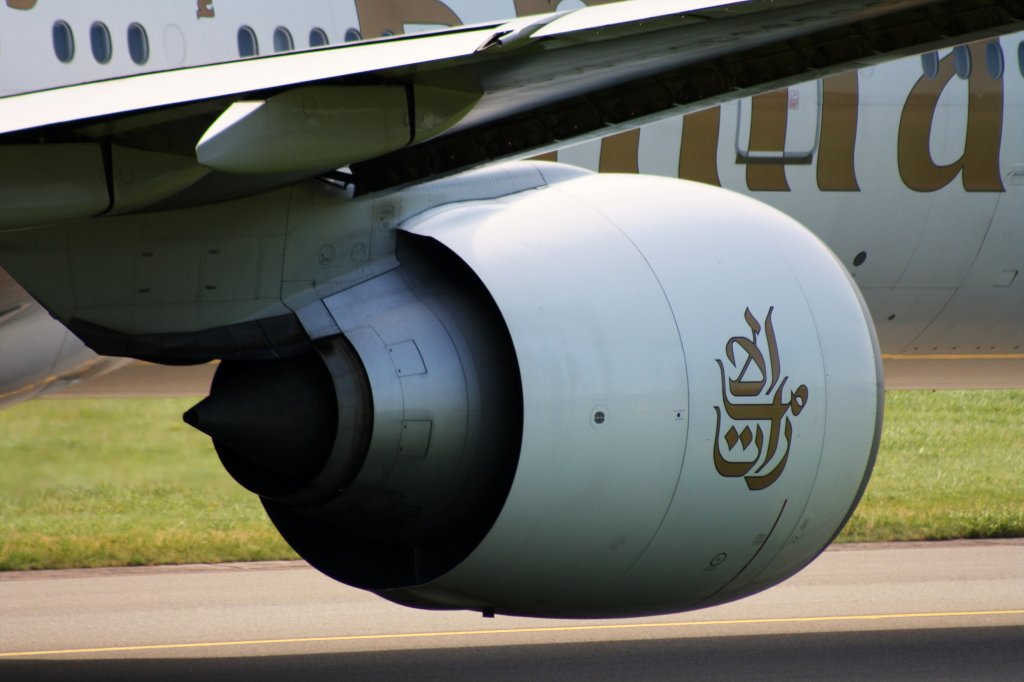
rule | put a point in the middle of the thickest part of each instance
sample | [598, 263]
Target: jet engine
[611, 396]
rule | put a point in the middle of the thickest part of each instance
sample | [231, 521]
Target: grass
[117, 482]
[951, 465]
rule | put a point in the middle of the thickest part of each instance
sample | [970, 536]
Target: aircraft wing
[409, 108]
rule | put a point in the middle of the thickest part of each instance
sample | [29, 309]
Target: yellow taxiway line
[514, 631]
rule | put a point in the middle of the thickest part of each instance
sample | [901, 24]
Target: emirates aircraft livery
[561, 309]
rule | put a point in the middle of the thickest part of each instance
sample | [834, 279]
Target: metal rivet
[326, 256]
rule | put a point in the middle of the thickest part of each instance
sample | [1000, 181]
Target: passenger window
[962, 60]
[138, 44]
[994, 60]
[247, 44]
[99, 37]
[353, 35]
[930, 64]
[318, 38]
[63, 41]
[283, 40]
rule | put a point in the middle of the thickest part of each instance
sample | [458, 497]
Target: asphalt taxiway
[932, 611]
[942, 611]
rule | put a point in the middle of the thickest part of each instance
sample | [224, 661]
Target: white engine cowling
[702, 396]
[701, 404]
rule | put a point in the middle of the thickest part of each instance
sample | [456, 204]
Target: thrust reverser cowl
[385, 456]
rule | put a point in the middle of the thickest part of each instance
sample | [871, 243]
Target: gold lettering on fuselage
[698, 150]
[979, 164]
[204, 9]
[21, 4]
[840, 104]
[769, 117]
[753, 397]
[619, 153]
[381, 17]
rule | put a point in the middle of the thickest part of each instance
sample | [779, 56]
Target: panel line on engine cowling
[755, 554]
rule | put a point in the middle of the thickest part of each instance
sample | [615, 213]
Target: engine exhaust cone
[273, 423]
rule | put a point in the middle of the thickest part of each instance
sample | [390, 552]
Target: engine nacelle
[614, 396]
